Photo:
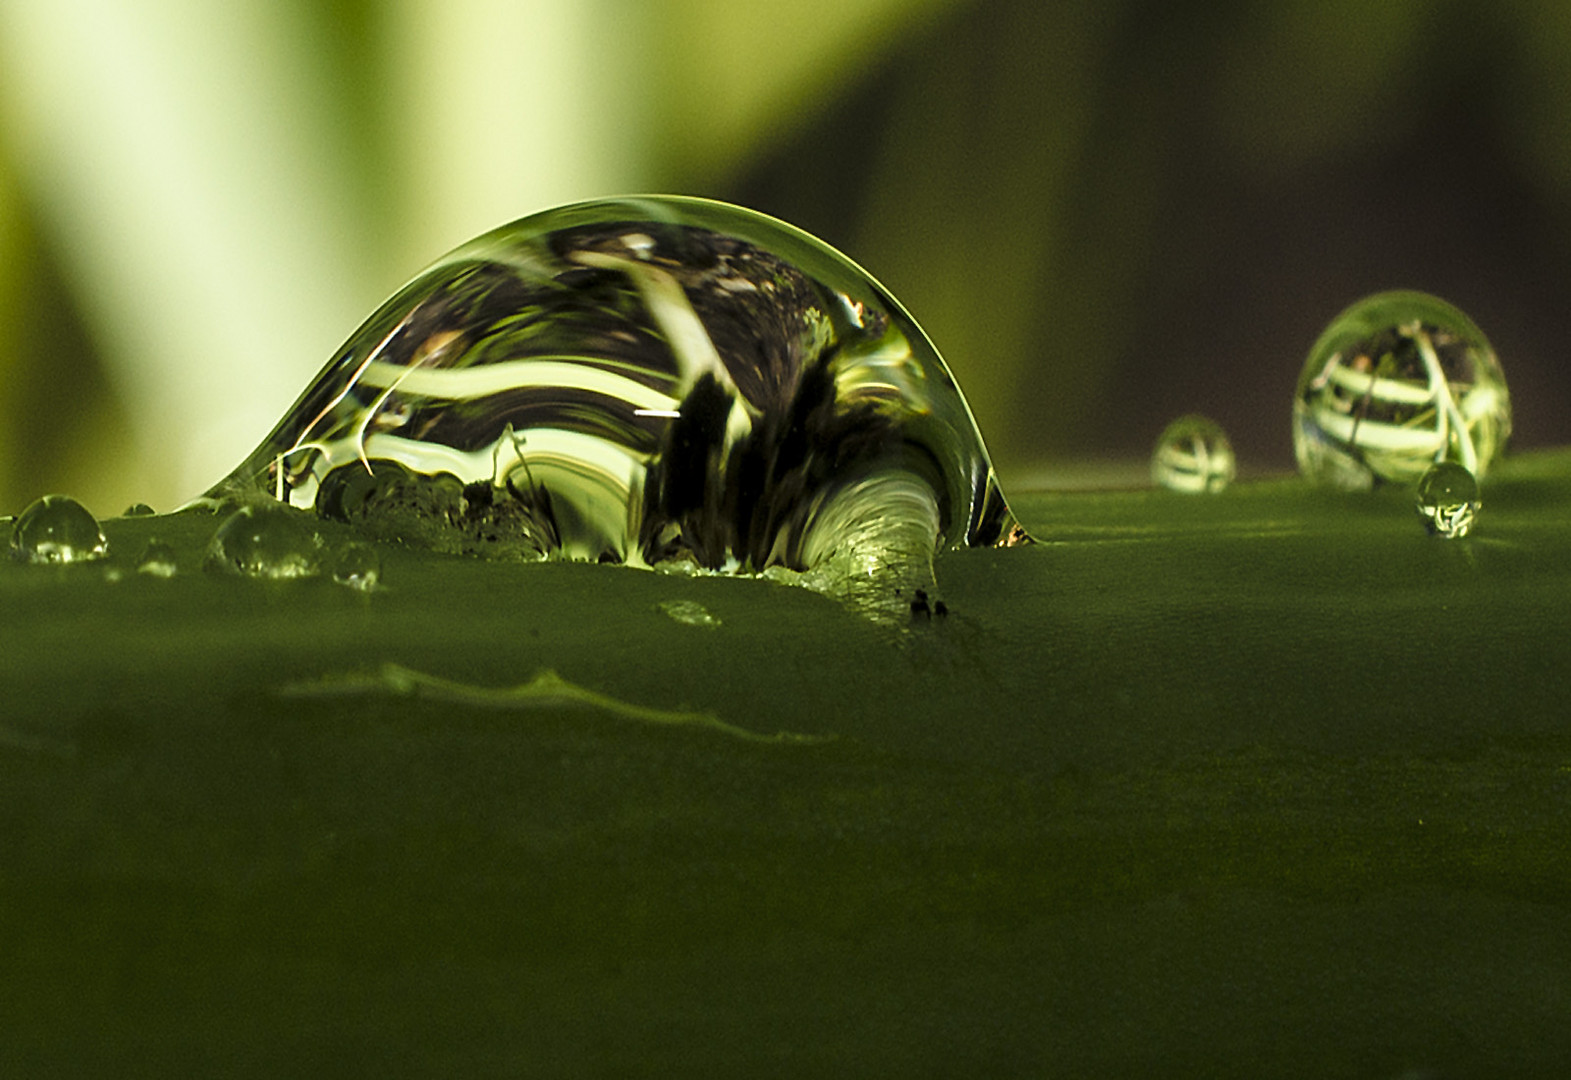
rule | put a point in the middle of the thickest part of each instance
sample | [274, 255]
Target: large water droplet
[1448, 500]
[57, 529]
[265, 541]
[1193, 454]
[639, 381]
[1398, 382]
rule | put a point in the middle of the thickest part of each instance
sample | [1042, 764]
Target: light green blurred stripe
[971, 224]
[184, 163]
[12, 253]
[505, 107]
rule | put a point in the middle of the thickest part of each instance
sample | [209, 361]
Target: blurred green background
[1105, 212]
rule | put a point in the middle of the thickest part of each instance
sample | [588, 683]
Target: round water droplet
[1448, 500]
[1398, 382]
[265, 541]
[359, 566]
[140, 509]
[1192, 455]
[640, 381]
[57, 529]
[157, 560]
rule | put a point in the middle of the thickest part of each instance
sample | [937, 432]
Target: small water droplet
[1448, 500]
[688, 612]
[57, 529]
[359, 566]
[265, 541]
[157, 560]
[140, 509]
[1193, 455]
[1398, 382]
[642, 381]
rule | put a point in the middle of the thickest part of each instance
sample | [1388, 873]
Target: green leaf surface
[1269, 783]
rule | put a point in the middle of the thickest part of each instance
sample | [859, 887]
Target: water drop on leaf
[1192, 455]
[1448, 500]
[265, 541]
[639, 381]
[1399, 382]
[57, 529]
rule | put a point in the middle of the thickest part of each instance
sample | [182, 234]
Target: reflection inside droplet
[1448, 500]
[1399, 382]
[641, 381]
[1193, 455]
[57, 529]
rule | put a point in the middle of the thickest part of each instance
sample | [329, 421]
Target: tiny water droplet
[57, 529]
[1398, 382]
[688, 612]
[359, 566]
[140, 509]
[1448, 500]
[157, 560]
[265, 541]
[641, 381]
[1193, 455]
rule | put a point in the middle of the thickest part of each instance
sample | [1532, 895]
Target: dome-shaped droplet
[358, 565]
[157, 560]
[1448, 500]
[57, 529]
[265, 541]
[638, 381]
[1399, 382]
[1192, 455]
[138, 509]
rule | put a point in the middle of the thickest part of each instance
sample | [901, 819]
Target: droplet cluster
[676, 383]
